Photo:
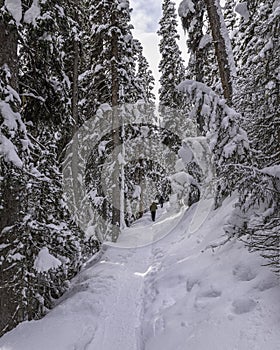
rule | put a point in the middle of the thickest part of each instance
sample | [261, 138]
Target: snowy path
[158, 288]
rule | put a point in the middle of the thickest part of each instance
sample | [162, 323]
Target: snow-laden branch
[227, 140]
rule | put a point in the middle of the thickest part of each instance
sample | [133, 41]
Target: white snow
[163, 287]
[15, 9]
[9, 151]
[137, 192]
[225, 35]
[276, 4]
[205, 40]
[242, 9]
[12, 121]
[121, 159]
[32, 13]
[272, 171]
[16, 257]
[267, 47]
[46, 261]
[185, 7]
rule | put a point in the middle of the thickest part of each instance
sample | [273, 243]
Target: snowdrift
[161, 287]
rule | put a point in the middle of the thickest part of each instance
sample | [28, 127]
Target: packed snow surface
[163, 287]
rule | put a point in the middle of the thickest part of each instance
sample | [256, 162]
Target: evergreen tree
[171, 65]
[192, 16]
[42, 226]
[258, 99]
[15, 148]
[202, 65]
[116, 82]
[144, 76]
[227, 140]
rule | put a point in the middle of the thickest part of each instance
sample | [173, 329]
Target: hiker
[161, 201]
[153, 209]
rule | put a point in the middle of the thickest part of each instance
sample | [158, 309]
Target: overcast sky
[145, 17]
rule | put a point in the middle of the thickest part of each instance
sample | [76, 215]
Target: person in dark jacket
[161, 201]
[153, 209]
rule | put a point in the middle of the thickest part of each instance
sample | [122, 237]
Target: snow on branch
[227, 140]
[15, 9]
[13, 133]
[46, 261]
[9, 151]
[242, 9]
[32, 13]
[185, 7]
[218, 118]
[11, 124]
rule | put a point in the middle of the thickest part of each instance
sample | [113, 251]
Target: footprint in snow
[268, 284]
[243, 305]
[243, 273]
[191, 282]
[211, 293]
[205, 298]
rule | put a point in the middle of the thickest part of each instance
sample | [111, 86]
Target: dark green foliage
[251, 170]
[33, 213]
[258, 99]
[171, 65]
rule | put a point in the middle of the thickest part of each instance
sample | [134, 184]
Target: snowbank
[178, 292]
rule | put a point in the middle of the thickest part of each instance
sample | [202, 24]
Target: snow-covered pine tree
[171, 65]
[15, 148]
[222, 46]
[192, 16]
[192, 19]
[258, 99]
[260, 88]
[140, 146]
[42, 231]
[202, 65]
[227, 140]
[172, 71]
[115, 83]
[77, 51]
[144, 76]
[231, 17]
[111, 25]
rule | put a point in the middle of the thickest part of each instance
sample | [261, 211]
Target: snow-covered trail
[160, 288]
[132, 259]
[105, 304]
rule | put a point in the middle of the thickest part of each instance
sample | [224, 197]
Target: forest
[84, 148]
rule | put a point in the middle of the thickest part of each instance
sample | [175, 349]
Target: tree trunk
[8, 52]
[75, 91]
[220, 48]
[11, 185]
[115, 132]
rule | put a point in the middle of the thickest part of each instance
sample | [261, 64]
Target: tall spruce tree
[42, 227]
[144, 76]
[115, 82]
[192, 16]
[258, 99]
[202, 65]
[204, 22]
[171, 65]
[15, 148]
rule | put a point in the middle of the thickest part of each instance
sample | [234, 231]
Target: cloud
[146, 15]
[145, 18]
